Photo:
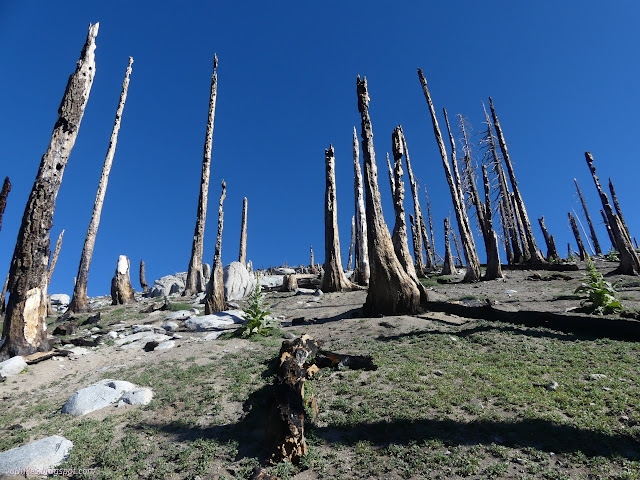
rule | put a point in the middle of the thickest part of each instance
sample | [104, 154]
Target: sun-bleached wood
[361, 274]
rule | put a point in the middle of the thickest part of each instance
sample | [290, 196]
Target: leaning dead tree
[214, 299]
[24, 326]
[6, 188]
[449, 266]
[608, 227]
[54, 257]
[242, 257]
[552, 252]
[468, 244]
[616, 204]
[391, 290]
[361, 274]
[534, 253]
[195, 282]
[79, 301]
[122, 291]
[143, 279]
[494, 269]
[576, 234]
[592, 231]
[334, 279]
[629, 262]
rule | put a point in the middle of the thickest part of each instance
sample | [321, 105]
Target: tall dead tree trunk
[121, 290]
[449, 266]
[6, 188]
[391, 290]
[3, 295]
[534, 252]
[392, 181]
[195, 282]
[334, 279]
[494, 270]
[433, 238]
[629, 262]
[362, 273]
[505, 231]
[576, 234]
[616, 204]
[592, 231]
[353, 242]
[519, 227]
[313, 264]
[54, 257]
[471, 179]
[429, 264]
[214, 299]
[552, 253]
[79, 301]
[24, 326]
[242, 257]
[143, 279]
[609, 232]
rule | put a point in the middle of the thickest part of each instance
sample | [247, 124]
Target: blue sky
[563, 76]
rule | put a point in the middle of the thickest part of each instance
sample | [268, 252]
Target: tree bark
[616, 204]
[494, 269]
[609, 232]
[121, 290]
[534, 252]
[214, 300]
[242, 258]
[392, 181]
[629, 262]
[433, 237]
[334, 279]
[592, 231]
[195, 277]
[353, 241]
[552, 253]
[391, 290]
[3, 295]
[6, 188]
[449, 266]
[362, 272]
[54, 257]
[25, 326]
[576, 234]
[79, 301]
[143, 280]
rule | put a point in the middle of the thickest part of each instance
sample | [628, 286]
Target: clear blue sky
[563, 76]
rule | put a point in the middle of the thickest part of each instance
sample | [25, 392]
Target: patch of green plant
[428, 282]
[257, 316]
[602, 295]
[174, 307]
[612, 256]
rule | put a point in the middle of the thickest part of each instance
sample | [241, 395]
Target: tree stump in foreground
[121, 290]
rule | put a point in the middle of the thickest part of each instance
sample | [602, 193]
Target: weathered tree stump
[242, 256]
[449, 267]
[121, 290]
[289, 283]
[552, 252]
[576, 234]
[214, 300]
[143, 280]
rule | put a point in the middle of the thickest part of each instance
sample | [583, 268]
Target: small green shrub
[257, 316]
[602, 295]
[612, 255]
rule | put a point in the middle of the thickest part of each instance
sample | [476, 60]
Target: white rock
[120, 386]
[39, 455]
[142, 337]
[168, 285]
[60, 299]
[13, 366]
[90, 399]
[165, 345]
[283, 271]
[138, 396]
[215, 321]
[238, 284]
[199, 298]
[180, 315]
[271, 281]
[305, 291]
[212, 336]
[142, 328]
[170, 326]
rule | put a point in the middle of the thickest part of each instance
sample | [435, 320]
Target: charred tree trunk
[6, 188]
[79, 301]
[121, 290]
[214, 300]
[143, 280]
[534, 252]
[242, 257]
[494, 269]
[576, 234]
[362, 273]
[592, 231]
[195, 277]
[54, 257]
[24, 325]
[334, 279]
[629, 262]
[391, 290]
[609, 232]
[552, 253]
[449, 266]
[616, 204]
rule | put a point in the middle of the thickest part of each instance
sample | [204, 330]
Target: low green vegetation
[602, 296]
[257, 317]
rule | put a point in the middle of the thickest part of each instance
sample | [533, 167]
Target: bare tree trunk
[24, 325]
[6, 188]
[519, 227]
[427, 246]
[242, 258]
[334, 279]
[609, 232]
[143, 280]
[121, 290]
[576, 234]
[552, 253]
[494, 270]
[214, 299]
[505, 232]
[362, 267]
[456, 242]
[3, 295]
[54, 257]
[391, 290]
[313, 264]
[433, 238]
[79, 301]
[195, 277]
[592, 231]
[616, 204]
[629, 262]
[353, 241]
[289, 283]
[392, 182]
[449, 266]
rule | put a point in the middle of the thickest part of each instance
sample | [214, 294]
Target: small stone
[438, 373]
[94, 330]
[112, 334]
[606, 389]
[142, 328]
[78, 350]
[596, 376]
[176, 336]
[453, 339]
[552, 386]
[318, 293]
[170, 326]
[179, 315]
[166, 345]
[13, 366]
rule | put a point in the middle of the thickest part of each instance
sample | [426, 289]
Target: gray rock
[288, 336]
[170, 326]
[596, 376]
[60, 299]
[199, 298]
[238, 284]
[168, 285]
[212, 336]
[271, 281]
[142, 328]
[305, 291]
[215, 321]
[165, 345]
[318, 293]
[179, 315]
[142, 337]
[138, 396]
[90, 399]
[112, 334]
[552, 386]
[13, 366]
[39, 455]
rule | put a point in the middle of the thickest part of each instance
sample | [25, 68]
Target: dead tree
[392, 181]
[195, 282]
[361, 275]
[242, 256]
[494, 270]
[3, 295]
[592, 231]
[24, 326]
[121, 290]
[449, 266]
[289, 283]
[616, 204]
[79, 301]
[609, 232]
[534, 252]
[429, 265]
[143, 280]
[6, 188]
[54, 257]
[353, 242]
[433, 238]
[576, 234]
[505, 232]
[334, 279]
[629, 262]
[471, 178]
[391, 290]
[313, 264]
[519, 227]
[456, 242]
[214, 299]
[552, 253]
